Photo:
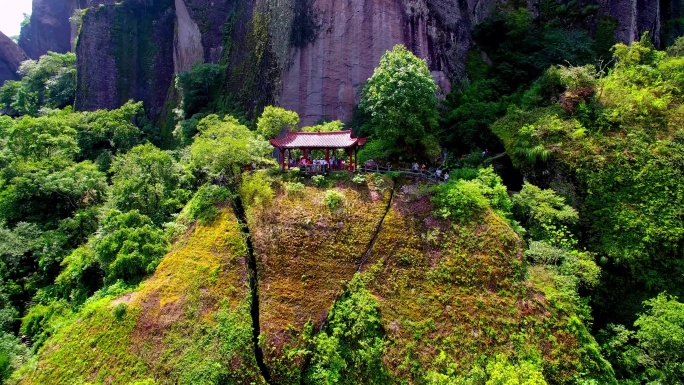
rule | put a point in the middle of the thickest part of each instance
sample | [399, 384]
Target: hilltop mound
[188, 323]
[357, 283]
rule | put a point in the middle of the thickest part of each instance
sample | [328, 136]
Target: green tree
[334, 125]
[661, 339]
[349, 350]
[542, 212]
[400, 102]
[149, 180]
[275, 120]
[224, 147]
[103, 134]
[653, 353]
[199, 87]
[48, 82]
[129, 246]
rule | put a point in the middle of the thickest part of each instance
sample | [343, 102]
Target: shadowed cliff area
[11, 57]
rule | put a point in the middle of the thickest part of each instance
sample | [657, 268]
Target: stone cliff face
[49, 28]
[324, 77]
[125, 51]
[11, 57]
[634, 18]
[311, 56]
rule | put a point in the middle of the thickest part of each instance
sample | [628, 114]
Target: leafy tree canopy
[49, 82]
[224, 147]
[275, 120]
[149, 180]
[400, 102]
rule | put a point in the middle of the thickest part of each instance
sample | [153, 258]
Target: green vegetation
[275, 120]
[618, 136]
[224, 146]
[513, 49]
[400, 103]
[653, 353]
[49, 82]
[121, 262]
[199, 88]
[349, 350]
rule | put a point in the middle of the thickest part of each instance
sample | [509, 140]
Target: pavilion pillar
[356, 158]
[351, 162]
[282, 156]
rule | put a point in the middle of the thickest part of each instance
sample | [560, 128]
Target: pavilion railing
[428, 175]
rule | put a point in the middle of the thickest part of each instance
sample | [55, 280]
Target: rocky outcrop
[49, 28]
[324, 77]
[11, 57]
[634, 17]
[311, 56]
[125, 51]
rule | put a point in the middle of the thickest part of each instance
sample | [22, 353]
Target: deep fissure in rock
[364, 257]
[369, 250]
[253, 288]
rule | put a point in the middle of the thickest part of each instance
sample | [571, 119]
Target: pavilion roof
[335, 139]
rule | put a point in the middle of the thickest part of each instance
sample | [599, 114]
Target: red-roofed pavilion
[307, 141]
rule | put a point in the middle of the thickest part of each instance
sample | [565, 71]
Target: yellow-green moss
[306, 252]
[188, 323]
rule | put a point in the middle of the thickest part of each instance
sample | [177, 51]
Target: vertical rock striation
[49, 28]
[11, 57]
[125, 51]
[311, 56]
[323, 78]
[634, 17]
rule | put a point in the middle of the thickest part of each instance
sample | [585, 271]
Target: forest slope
[188, 323]
[435, 301]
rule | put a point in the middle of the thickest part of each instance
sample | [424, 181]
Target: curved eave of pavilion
[319, 140]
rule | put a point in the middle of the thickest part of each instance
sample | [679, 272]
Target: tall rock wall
[323, 78]
[11, 57]
[311, 56]
[125, 51]
[49, 28]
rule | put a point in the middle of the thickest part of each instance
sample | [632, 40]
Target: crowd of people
[333, 163]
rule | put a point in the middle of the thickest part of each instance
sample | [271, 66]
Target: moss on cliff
[125, 51]
[306, 253]
[454, 297]
[189, 323]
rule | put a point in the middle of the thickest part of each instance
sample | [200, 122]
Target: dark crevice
[364, 258]
[253, 288]
[369, 249]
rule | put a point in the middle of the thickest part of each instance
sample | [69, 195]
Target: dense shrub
[464, 200]
[319, 181]
[349, 350]
[202, 206]
[294, 189]
[255, 189]
[129, 246]
[460, 200]
[333, 199]
[542, 212]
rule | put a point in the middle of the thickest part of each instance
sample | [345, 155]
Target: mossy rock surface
[452, 296]
[188, 323]
[306, 253]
